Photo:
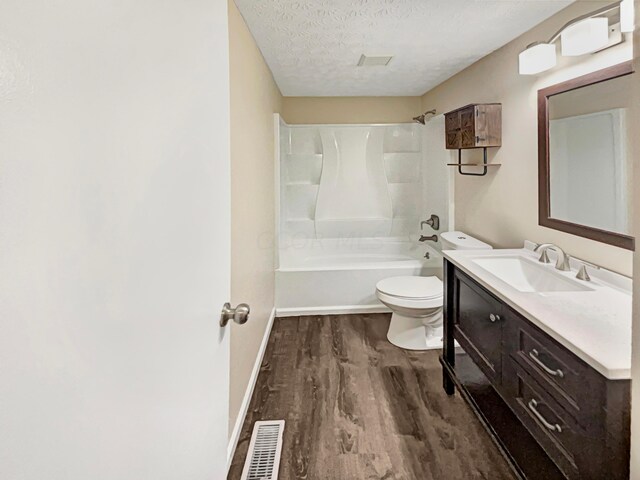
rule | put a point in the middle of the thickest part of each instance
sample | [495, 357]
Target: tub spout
[432, 238]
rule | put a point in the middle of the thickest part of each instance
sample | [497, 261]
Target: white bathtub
[340, 275]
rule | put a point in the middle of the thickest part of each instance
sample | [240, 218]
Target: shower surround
[350, 202]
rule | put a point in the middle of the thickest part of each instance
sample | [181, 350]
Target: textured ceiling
[313, 46]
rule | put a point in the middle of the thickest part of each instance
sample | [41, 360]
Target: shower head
[422, 118]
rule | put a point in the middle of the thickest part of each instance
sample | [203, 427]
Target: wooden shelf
[474, 164]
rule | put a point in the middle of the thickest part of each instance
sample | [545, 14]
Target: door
[114, 240]
[467, 127]
[478, 326]
[452, 130]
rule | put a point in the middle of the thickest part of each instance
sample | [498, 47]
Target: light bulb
[537, 58]
[585, 36]
[627, 16]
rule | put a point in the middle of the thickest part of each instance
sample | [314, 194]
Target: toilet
[416, 302]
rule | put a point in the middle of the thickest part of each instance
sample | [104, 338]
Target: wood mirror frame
[544, 191]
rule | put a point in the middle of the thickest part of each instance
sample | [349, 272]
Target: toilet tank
[461, 241]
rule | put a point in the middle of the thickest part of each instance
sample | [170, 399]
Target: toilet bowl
[416, 302]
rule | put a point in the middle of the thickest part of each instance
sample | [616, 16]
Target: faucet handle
[433, 222]
[583, 274]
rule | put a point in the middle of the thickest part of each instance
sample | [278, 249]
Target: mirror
[584, 164]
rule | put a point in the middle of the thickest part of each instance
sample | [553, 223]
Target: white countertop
[595, 325]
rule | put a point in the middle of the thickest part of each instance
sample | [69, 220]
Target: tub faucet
[432, 238]
[433, 222]
[562, 263]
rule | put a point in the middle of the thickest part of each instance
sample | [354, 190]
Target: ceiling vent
[374, 60]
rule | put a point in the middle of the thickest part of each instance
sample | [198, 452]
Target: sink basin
[527, 275]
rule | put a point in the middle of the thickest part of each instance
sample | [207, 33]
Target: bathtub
[340, 275]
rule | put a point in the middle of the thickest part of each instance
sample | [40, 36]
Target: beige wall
[350, 109]
[635, 369]
[254, 99]
[615, 93]
[502, 208]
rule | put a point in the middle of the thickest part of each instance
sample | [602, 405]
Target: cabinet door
[478, 326]
[467, 128]
[488, 126]
[452, 130]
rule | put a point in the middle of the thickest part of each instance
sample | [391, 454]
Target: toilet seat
[411, 288]
[411, 292]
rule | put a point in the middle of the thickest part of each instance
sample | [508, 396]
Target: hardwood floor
[357, 407]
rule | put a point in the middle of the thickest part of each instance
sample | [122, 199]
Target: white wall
[112, 117]
[350, 181]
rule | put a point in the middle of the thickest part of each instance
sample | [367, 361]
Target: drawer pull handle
[535, 356]
[494, 318]
[533, 407]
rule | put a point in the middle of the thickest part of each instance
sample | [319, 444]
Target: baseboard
[332, 310]
[237, 428]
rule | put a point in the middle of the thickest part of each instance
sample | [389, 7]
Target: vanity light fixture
[537, 58]
[627, 16]
[585, 34]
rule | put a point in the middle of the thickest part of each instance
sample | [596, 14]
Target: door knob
[240, 314]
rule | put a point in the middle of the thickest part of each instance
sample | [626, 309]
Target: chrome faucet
[562, 263]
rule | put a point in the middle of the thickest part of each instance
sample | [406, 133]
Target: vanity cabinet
[478, 328]
[576, 418]
[474, 126]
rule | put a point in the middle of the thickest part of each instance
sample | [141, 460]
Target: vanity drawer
[571, 382]
[567, 443]
[478, 326]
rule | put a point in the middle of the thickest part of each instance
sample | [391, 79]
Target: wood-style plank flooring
[357, 407]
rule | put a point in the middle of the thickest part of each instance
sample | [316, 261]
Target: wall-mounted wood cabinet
[474, 126]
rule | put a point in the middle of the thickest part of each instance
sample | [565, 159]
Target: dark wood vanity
[550, 413]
